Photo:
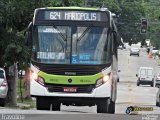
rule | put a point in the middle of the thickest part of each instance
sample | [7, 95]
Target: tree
[129, 17]
[12, 27]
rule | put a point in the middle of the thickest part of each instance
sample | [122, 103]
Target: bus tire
[56, 106]
[102, 106]
[2, 102]
[157, 104]
[111, 108]
[42, 104]
[152, 84]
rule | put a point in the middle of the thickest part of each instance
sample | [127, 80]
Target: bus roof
[71, 8]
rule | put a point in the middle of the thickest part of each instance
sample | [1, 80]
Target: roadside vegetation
[23, 96]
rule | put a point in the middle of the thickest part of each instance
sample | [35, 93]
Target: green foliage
[130, 14]
[15, 17]
[60, 3]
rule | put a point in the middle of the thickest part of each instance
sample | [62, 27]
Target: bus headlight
[40, 80]
[102, 80]
[99, 82]
[37, 78]
[105, 78]
[34, 76]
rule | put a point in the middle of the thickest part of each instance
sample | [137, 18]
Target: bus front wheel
[111, 108]
[42, 103]
[102, 106]
[56, 106]
[2, 102]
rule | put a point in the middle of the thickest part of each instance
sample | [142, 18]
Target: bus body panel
[76, 80]
[101, 91]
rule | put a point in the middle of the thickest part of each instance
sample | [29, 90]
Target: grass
[28, 101]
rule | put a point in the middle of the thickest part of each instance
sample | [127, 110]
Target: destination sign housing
[72, 15]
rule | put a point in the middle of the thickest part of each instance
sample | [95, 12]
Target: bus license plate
[70, 89]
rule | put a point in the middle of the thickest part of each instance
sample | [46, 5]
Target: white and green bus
[74, 58]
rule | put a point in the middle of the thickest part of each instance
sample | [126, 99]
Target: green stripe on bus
[76, 80]
[72, 8]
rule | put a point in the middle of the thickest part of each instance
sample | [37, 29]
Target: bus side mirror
[115, 35]
[28, 37]
[28, 34]
[136, 75]
[116, 38]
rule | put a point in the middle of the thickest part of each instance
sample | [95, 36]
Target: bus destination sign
[73, 15]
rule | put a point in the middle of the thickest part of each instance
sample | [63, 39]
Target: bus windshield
[71, 45]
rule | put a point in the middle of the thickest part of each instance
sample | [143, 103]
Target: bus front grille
[79, 88]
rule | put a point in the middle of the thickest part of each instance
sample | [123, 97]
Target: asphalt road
[128, 95]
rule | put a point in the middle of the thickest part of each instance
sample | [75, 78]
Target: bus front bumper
[103, 91]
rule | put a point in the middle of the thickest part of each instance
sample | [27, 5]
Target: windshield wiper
[86, 30]
[61, 35]
[59, 32]
[83, 34]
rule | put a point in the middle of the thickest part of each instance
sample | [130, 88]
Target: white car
[145, 76]
[134, 51]
[158, 98]
[3, 87]
[154, 51]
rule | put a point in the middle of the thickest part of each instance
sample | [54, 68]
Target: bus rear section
[74, 58]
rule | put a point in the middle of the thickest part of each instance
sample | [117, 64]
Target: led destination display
[72, 15]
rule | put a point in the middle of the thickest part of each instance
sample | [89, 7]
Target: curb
[23, 106]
